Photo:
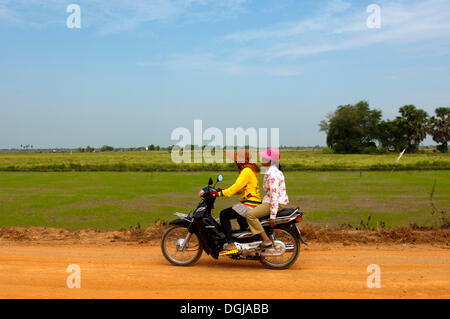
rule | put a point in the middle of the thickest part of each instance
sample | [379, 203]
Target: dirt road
[120, 270]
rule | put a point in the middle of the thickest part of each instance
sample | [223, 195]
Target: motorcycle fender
[300, 234]
[194, 229]
[181, 222]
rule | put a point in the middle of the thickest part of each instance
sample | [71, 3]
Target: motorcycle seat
[238, 233]
[286, 212]
[282, 213]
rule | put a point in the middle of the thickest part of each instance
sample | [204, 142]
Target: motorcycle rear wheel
[170, 247]
[289, 257]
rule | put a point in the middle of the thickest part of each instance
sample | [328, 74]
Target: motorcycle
[191, 234]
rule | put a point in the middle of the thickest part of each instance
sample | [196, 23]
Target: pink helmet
[271, 154]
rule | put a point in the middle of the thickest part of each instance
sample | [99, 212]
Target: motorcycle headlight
[201, 193]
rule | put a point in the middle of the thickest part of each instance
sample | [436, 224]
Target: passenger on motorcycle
[275, 199]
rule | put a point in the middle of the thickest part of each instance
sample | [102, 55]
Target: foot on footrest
[229, 252]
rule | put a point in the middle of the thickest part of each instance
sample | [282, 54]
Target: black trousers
[226, 216]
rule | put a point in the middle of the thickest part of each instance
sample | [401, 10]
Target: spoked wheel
[291, 254]
[172, 246]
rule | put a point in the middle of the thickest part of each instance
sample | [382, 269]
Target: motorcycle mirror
[220, 177]
[210, 181]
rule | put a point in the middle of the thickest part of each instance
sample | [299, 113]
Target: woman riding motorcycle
[246, 184]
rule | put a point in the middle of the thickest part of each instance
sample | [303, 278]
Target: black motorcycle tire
[191, 262]
[293, 260]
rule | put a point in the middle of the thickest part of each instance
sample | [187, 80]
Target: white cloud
[282, 31]
[7, 15]
[211, 63]
[295, 28]
[277, 50]
[339, 26]
[114, 16]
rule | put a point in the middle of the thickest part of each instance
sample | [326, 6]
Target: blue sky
[136, 70]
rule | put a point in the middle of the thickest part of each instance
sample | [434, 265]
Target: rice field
[113, 200]
[161, 161]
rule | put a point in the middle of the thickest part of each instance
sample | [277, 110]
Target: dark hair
[277, 164]
[280, 167]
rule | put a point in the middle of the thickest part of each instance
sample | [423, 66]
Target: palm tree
[413, 125]
[439, 127]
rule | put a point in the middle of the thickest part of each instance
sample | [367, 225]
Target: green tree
[439, 127]
[390, 136]
[151, 147]
[106, 148]
[413, 126]
[352, 128]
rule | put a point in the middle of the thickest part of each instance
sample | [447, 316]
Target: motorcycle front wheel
[172, 246]
[290, 256]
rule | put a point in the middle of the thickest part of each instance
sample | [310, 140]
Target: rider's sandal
[228, 251]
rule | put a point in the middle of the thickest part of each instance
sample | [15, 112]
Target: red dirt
[129, 264]
[130, 270]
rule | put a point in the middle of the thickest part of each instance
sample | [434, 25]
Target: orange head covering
[242, 159]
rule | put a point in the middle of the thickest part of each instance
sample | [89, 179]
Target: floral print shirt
[275, 190]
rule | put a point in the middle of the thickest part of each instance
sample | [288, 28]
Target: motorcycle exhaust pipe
[289, 247]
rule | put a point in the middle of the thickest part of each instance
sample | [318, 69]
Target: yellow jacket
[246, 184]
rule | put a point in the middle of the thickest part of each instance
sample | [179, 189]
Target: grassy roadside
[114, 200]
[152, 235]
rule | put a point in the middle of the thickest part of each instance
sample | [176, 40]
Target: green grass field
[161, 161]
[112, 200]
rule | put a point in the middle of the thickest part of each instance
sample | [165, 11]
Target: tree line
[355, 128]
[107, 148]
